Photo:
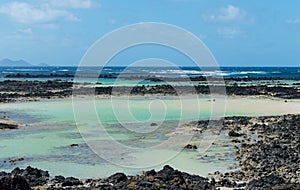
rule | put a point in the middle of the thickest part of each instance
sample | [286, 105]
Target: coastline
[12, 90]
[57, 91]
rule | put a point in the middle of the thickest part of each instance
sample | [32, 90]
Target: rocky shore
[167, 178]
[267, 151]
[11, 90]
[153, 78]
[7, 124]
[267, 154]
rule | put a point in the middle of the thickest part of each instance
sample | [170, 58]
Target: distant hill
[12, 63]
[19, 63]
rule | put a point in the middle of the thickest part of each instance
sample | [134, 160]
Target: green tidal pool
[137, 126]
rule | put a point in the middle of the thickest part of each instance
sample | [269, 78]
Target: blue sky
[239, 33]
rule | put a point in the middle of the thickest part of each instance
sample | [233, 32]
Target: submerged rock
[12, 161]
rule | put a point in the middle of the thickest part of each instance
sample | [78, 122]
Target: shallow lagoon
[50, 128]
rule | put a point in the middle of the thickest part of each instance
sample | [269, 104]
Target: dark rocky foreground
[267, 154]
[11, 90]
[267, 151]
[167, 178]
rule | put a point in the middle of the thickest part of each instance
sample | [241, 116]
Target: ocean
[111, 72]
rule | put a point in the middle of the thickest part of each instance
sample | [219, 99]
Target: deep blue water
[226, 72]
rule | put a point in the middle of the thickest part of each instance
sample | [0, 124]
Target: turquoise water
[50, 127]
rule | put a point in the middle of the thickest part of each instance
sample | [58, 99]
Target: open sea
[226, 72]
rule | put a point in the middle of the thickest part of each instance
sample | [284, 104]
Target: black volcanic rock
[266, 182]
[71, 181]
[117, 178]
[13, 182]
[234, 134]
[190, 147]
[8, 126]
[34, 176]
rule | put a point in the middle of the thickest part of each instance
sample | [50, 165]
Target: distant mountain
[19, 63]
[12, 63]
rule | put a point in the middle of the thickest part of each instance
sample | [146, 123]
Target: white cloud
[230, 32]
[74, 4]
[26, 13]
[25, 31]
[293, 21]
[227, 14]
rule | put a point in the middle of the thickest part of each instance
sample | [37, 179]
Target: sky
[237, 32]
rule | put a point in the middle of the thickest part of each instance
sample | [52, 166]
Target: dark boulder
[153, 124]
[191, 147]
[117, 178]
[34, 176]
[14, 182]
[150, 173]
[71, 181]
[234, 134]
[58, 179]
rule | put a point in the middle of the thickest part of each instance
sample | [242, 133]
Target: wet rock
[12, 161]
[153, 124]
[8, 126]
[74, 145]
[191, 147]
[234, 134]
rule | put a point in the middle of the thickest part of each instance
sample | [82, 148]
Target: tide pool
[140, 123]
